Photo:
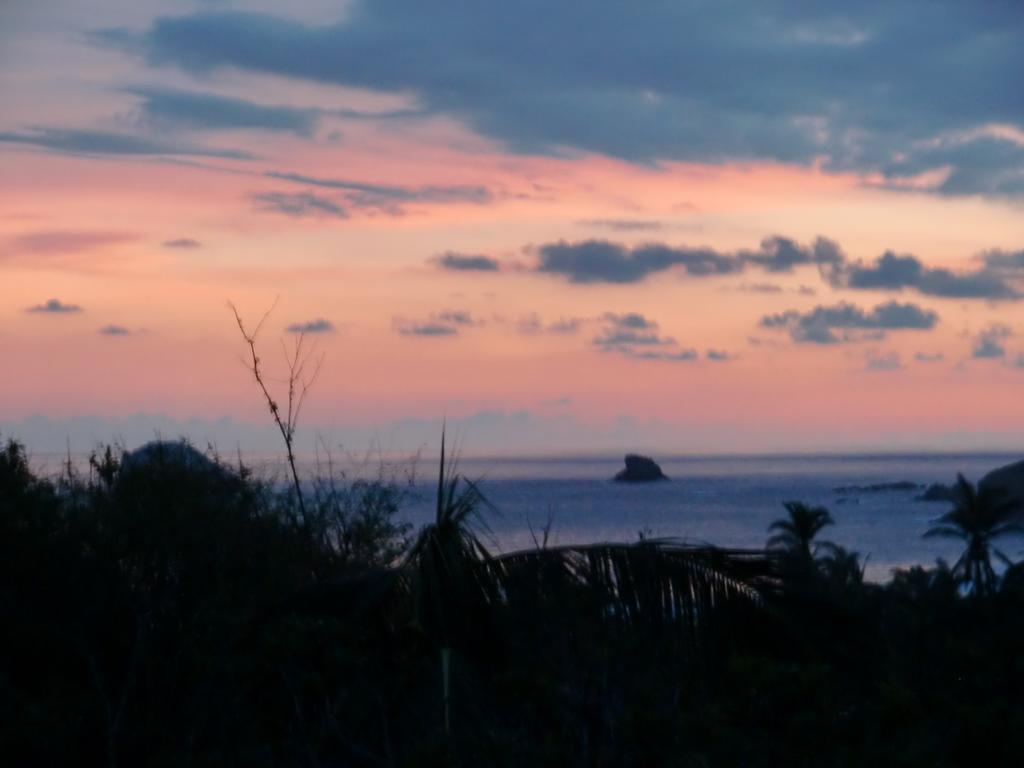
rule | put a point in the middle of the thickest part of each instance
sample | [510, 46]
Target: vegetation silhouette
[792, 537]
[170, 611]
[979, 517]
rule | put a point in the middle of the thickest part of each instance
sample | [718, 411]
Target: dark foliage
[187, 614]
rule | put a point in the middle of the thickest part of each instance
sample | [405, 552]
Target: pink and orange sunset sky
[682, 227]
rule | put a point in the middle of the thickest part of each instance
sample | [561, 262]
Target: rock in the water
[903, 485]
[937, 492]
[639, 469]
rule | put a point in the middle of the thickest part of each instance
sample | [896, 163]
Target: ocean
[727, 501]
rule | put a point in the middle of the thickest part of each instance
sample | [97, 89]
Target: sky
[560, 227]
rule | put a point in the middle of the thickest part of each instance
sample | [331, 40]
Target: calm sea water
[727, 501]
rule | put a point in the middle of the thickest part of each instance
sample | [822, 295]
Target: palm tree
[453, 576]
[980, 516]
[449, 560]
[840, 566]
[795, 533]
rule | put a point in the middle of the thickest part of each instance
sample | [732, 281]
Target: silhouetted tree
[842, 568]
[452, 586]
[979, 517]
[795, 533]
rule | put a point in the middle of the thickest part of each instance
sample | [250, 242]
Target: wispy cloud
[445, 323]
[183, 243]
[299, 205]
[54, 307]
[115, 330]
[624, 225]
[463, 262]
[679, 355]
[206, 111]
[319, 325]
[425, 328]
[532, 324]
[457, 317]
[882, 361]
[389, 199]
[88, 142]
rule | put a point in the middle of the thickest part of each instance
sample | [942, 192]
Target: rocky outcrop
[937, 492]
[1008, 480]
[639, 469]
[902, 485]
[166, 452]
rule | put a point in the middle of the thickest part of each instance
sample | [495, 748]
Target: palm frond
[652, 583]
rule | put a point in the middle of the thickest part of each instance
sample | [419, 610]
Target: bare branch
[297, 383]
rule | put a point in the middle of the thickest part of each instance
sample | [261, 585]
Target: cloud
[564, 325]
[319, 325]
[607, 262]
[929, 357]
[1004, 261]
[87, 142]
[883, 361]
[428, 328]
[461, 262]
[54, 307]
[115, 330]
[444, 323]
[602, 261]
[532, 324]
[204, 111]
[616, 90]
[760, 288]
[894, 272]
[977, 164]
[629, 330]
[781, 254]
[717, 355]
[681, 355]
[299, 204]
[623, 225]
[990, 344]
[845, 322]
[630, 320]
[636, 336]
[184, 243]
[457, 317]
[387, 198]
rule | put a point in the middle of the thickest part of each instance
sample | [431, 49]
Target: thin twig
[298, 387]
